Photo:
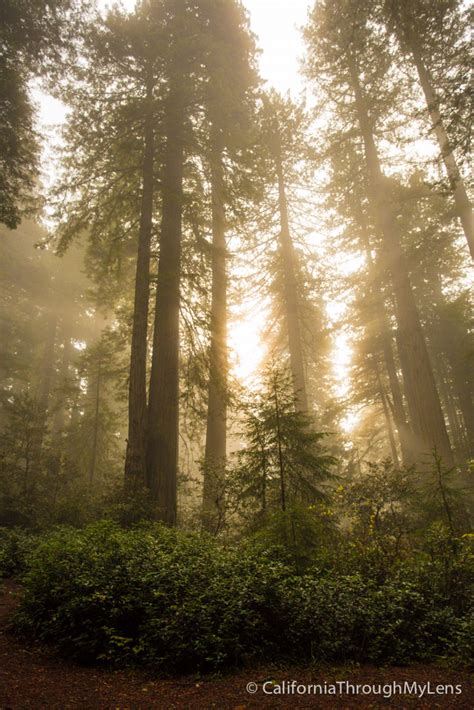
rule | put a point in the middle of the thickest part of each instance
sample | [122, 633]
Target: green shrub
[302, 536]
[15, 545]
[324, 618]
[182, 602]
[148, 595]
[460, 642]
[340, 618]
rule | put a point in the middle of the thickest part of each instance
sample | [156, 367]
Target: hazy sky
[276, 24]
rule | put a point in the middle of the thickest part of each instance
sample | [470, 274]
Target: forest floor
[31, 676]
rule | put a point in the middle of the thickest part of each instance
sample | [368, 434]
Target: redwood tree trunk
[59, 420]
[463, 390]
[292, 307]
[426, 415]
[137, 411]
[457, 433]
[95, 433]
[46, 380]
[388, 420]
[216, 431]
[281, 462]
[43, 395]
[461, 199]
[458, 378]
[398, 409]
[163, 407]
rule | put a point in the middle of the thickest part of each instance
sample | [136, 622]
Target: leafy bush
[303, 537]
[149, 594]
[15, 546]
[182, 602]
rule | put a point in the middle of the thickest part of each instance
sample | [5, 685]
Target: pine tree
[34, 37]
[283, 460]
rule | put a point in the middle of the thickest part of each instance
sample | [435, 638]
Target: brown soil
[33, 677]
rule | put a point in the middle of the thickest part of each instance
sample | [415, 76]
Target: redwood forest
[236, 354]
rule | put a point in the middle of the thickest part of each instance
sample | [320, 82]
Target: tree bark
[216, 430]
[281, 462]
[463, 392]
[163, 407]
[59, 419]
[388, 420]
[404, 433]
[455, 374]
[135, 459]
[264, 479]
[46, 381]
[457, 434]
[95, 432]
[426, 415]
[292, 306]
[458, 356]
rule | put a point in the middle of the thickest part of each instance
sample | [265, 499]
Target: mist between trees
[186, 192]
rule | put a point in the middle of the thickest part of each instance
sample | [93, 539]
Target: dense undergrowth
[182, 601]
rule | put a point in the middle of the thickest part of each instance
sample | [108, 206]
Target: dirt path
[32, 677]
